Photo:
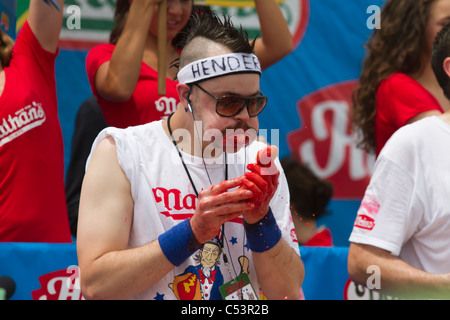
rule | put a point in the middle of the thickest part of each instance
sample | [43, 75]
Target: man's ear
[183, 92]
[447, 66]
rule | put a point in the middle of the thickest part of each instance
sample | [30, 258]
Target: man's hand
[262, 180]
[216, 205]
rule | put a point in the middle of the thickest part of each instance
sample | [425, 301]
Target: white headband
[219, 66]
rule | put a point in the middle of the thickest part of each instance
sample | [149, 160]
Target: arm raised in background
[276, 40]
[116, 79]
[45, 21]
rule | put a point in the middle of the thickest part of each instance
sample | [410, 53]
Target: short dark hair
[441, 51]
[309, 195]
[204, 23]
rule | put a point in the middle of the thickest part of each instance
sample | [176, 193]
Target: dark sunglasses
[229, 106]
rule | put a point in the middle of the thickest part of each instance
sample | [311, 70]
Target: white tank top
[163, 196]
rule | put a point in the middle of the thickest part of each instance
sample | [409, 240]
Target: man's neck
[446, 117]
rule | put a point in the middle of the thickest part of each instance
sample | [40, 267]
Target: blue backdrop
[49, 271]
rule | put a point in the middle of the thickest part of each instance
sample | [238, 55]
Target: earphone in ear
[189, 100]
[189, 108]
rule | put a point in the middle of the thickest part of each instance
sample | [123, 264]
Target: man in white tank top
[182, 208]
[400, 242]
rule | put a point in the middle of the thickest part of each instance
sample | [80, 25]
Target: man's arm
[45, 22]
[280, 272]
[398, 278]
[110, 270]
[116, 79]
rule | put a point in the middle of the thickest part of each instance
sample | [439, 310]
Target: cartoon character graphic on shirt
[202, 281]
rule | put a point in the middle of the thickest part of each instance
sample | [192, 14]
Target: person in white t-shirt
[182, 208]
[403, 224]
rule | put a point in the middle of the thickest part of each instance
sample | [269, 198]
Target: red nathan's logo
[22, 121]
[177, 205]
[326, 143]
[364, 222]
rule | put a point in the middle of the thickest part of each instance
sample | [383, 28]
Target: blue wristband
[179, 243]
[263, 235]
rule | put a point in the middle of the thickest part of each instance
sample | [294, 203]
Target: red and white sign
[326, 143]
[354, 291]
[59, 285]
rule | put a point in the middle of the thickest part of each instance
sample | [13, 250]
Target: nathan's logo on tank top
[327, 143]
[22, 121]
[177, 205]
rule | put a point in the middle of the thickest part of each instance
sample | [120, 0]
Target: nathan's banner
[89, 22]
[47, 271]
[296, 13]
[326, 142]
[42, 271]
[354, 291]
[86, 23]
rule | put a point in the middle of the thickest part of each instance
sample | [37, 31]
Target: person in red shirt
[309, 197]
[32, 199]
[124, 73]
[397, 83]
